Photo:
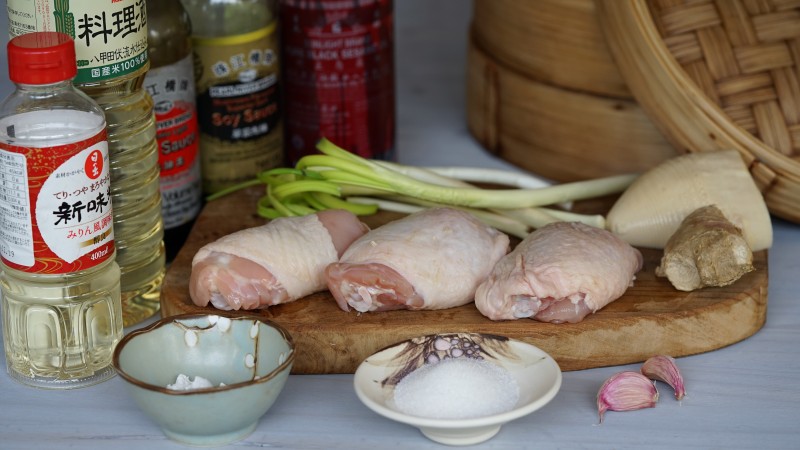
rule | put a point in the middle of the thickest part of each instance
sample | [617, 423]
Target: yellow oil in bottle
[135, 194]
[61, 330]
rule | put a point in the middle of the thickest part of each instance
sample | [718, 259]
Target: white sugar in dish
[457, 388]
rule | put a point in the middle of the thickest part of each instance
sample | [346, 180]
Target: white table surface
[743, 396]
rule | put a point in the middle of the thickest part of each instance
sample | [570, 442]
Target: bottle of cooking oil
[170, 82]
[111, 49]
[60, 284]
[236, 68]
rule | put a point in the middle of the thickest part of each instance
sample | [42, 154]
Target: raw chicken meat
[559, 273]
[433, 259]
[275, 263]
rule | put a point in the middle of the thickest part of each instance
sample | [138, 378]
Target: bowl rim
[178, 317]
[475, 422]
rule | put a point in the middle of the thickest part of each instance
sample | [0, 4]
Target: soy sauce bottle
[238, 89]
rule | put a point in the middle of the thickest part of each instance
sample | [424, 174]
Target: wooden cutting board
[651, 318]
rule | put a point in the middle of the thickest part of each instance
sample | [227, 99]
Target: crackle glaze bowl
[247, 360]
[536, 374]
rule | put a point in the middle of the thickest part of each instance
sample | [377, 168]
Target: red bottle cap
[41, 58]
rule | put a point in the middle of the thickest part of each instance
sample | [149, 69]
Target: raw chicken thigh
[433, 259]
[559, 273]
[275, 263]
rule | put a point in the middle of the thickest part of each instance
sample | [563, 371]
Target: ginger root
[706, 250]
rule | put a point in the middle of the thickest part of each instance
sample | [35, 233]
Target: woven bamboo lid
[718, 74]
[558, 133]
[558, 42]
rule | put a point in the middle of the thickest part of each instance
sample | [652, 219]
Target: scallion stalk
[338, 179]
[473, 197]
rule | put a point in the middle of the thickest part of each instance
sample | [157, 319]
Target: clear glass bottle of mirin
[237, 73]
[111, 50]
[61, 308]
[170, 82]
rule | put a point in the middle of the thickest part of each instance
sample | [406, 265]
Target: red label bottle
[339, 76]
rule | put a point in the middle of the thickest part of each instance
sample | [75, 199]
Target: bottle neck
[50, 96]
[45, 88]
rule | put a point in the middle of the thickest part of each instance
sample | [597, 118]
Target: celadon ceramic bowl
[537, 376]
[250, 356]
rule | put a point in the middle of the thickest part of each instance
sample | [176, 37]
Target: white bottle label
[172, 90]
[16, 235]
[56, 206]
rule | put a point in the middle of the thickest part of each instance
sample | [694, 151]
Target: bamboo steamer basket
[715, 75]
[561, 134]
[559, 42]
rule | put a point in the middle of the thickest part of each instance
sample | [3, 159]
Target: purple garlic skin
[663, 368]
[626, 391]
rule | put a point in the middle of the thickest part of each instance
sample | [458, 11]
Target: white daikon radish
[653, 207]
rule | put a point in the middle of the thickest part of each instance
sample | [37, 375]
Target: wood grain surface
[651, 318]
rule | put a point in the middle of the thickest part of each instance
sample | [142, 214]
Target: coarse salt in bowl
[206, 380]
[458, 388]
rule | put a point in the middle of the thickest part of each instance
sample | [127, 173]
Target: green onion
[338, 179]
[472, 197]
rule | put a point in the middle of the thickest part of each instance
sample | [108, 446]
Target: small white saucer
[537, 375]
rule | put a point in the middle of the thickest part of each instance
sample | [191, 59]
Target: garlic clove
[626, 391]
[663, 368]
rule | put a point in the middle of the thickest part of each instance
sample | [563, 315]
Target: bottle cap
[41, 58]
